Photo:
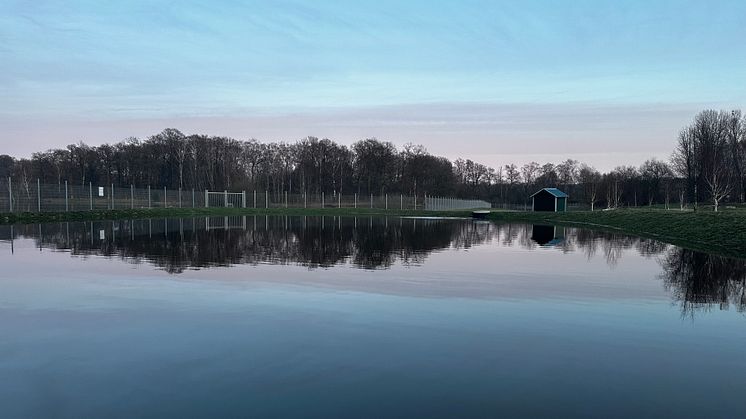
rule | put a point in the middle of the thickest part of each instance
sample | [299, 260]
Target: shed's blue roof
[554, 191]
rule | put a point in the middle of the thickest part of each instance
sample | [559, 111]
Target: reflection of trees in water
[592, 242]
[366, 242]
[698, 281]
[178, 244]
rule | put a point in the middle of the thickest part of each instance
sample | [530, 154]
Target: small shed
[549, 199]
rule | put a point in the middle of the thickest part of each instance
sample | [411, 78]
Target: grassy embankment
[723, 232]
[30, 217]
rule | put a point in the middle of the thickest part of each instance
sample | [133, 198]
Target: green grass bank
[45, 217]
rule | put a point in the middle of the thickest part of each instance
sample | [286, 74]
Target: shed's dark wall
[543, 201]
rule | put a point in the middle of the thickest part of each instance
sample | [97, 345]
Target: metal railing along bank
[25, 196]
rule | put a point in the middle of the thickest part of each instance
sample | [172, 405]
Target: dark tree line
[708, 165]
[173, 160]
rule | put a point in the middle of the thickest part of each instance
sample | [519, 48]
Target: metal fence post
[194, 200]
[305, 199]
[112, 196]
[386, 198]
[67, 204]
[132, 196]
[322, 199]
[266, 199]
[286, 199]
[207, 199]
[10, 195]
[339, 200]
[150, 204]
[225, 196]
[165, 198]
[243, 199]
[355, 199]
[38, 195]
[254, 198]
[401, 201]
[90, 195]
[415, 201]
[179, 196]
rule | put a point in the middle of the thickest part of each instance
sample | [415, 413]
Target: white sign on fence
[100, 191]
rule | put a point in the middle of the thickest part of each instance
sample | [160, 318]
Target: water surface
[363, 317]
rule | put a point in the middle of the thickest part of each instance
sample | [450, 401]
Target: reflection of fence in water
[698, 281]
[225, 223]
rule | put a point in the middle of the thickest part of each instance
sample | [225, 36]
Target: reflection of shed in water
[547, 235]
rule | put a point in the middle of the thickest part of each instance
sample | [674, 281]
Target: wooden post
[194, 199]
[355, 199]
[401, 202]
[339, 200]
[387, 201]
[165, 200]
[132, 196]
[67, 204]
[254, 198]
[38, 196]
[207, 199]
[225, 196]
[90, 196]
[371, 200]
[243, 201]
[322, 199]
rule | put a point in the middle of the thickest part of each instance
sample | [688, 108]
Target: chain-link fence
[65, 197]
[33, 196]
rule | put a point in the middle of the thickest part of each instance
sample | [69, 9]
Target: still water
[363, 317]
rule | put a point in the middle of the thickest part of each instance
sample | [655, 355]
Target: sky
[605, 82]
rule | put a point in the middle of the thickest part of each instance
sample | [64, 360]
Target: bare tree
[719, 184]
[589, 179]
[653, 173]
[529, 172]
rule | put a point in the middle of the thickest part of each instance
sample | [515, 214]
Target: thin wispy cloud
[79, 61]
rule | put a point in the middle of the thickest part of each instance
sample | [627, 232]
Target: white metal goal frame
[225, 199]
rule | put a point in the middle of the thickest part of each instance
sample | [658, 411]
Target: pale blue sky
[504, 78]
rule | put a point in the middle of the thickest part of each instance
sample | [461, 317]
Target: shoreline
[722, 233]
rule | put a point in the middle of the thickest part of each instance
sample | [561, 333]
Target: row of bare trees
[708, 164]
[174, 160]
[711, 156]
